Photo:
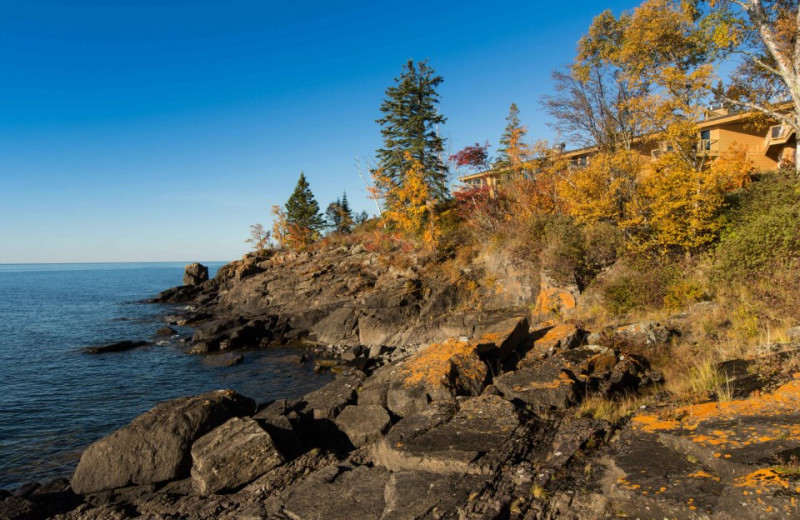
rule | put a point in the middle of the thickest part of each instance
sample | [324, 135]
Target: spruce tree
[510, 136]
[410, 124]
[339, 215]
[302, 210]
[346, 213]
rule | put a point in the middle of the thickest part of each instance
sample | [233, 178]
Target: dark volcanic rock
[328, 401]
[549, 384]
[155, 446]
[166, 332]
[232, 455]
[120, 346]
[439, 441]
[339, 493]
[195, 274]
[363, 424]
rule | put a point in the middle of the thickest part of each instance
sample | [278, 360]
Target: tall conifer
[511, 135]
[411, 124]
[302, 209]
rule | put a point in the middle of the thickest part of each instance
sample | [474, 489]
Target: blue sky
[160, 130]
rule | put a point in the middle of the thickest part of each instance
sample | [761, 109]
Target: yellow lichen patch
[784, 399]
[651, 423]
[762, 478]
[434, 364]
[703, 474]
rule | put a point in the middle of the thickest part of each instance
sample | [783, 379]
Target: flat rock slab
[363, 424]
[441, 441]
[547, 385]
[733, 459]
[348, 493]
[338, 493]
[232, 455]
[328, 401]
[155, 447]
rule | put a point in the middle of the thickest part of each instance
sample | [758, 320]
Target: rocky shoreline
[435, 412]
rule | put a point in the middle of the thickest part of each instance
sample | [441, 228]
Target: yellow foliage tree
[682, 206]
[603, 189]
[280, 227]
[411, 207]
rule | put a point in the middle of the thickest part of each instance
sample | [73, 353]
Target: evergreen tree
[510, 139]
[339, 215]
[302, 213]
[410, 124]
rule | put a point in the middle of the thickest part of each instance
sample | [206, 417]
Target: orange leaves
[411, 207]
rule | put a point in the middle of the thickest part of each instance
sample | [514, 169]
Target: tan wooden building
[717, 133]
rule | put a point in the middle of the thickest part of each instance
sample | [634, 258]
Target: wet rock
[232, 455]
[166, 332]
[363, 424]
[195, 274]
[442, 440]
[155, 447]
[119, 346]
[224, 360]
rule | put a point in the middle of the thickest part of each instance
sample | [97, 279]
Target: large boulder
[439, 372]
[195, 274]
[232, 455]
[155, 447]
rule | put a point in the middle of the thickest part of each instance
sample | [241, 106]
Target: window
[705, 140]
[777, 131]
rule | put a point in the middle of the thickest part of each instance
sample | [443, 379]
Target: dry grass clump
[612, 409]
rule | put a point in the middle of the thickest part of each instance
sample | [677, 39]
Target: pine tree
[302, 214]
[410, 125]
[511, 140]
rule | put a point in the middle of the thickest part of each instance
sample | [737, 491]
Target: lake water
[55, 399]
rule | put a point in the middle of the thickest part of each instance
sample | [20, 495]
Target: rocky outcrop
[155, 447]
[195, 274]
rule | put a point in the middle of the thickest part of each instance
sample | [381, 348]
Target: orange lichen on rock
[784, 399]
[762, 478]
[651, 423]
[704, 474]
[434, 365]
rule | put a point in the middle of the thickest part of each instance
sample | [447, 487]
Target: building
[718, 132]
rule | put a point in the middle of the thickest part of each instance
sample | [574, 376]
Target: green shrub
[763, 233]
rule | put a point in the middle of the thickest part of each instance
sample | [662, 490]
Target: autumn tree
[303, 217]
[591, 103]
[474, 157]
[339, 215]
[259, 237]
[513, 151]
[280, 227]
[410, 130]
[765, 34]
[413, 210]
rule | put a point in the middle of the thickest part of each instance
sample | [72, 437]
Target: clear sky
[159, 130]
